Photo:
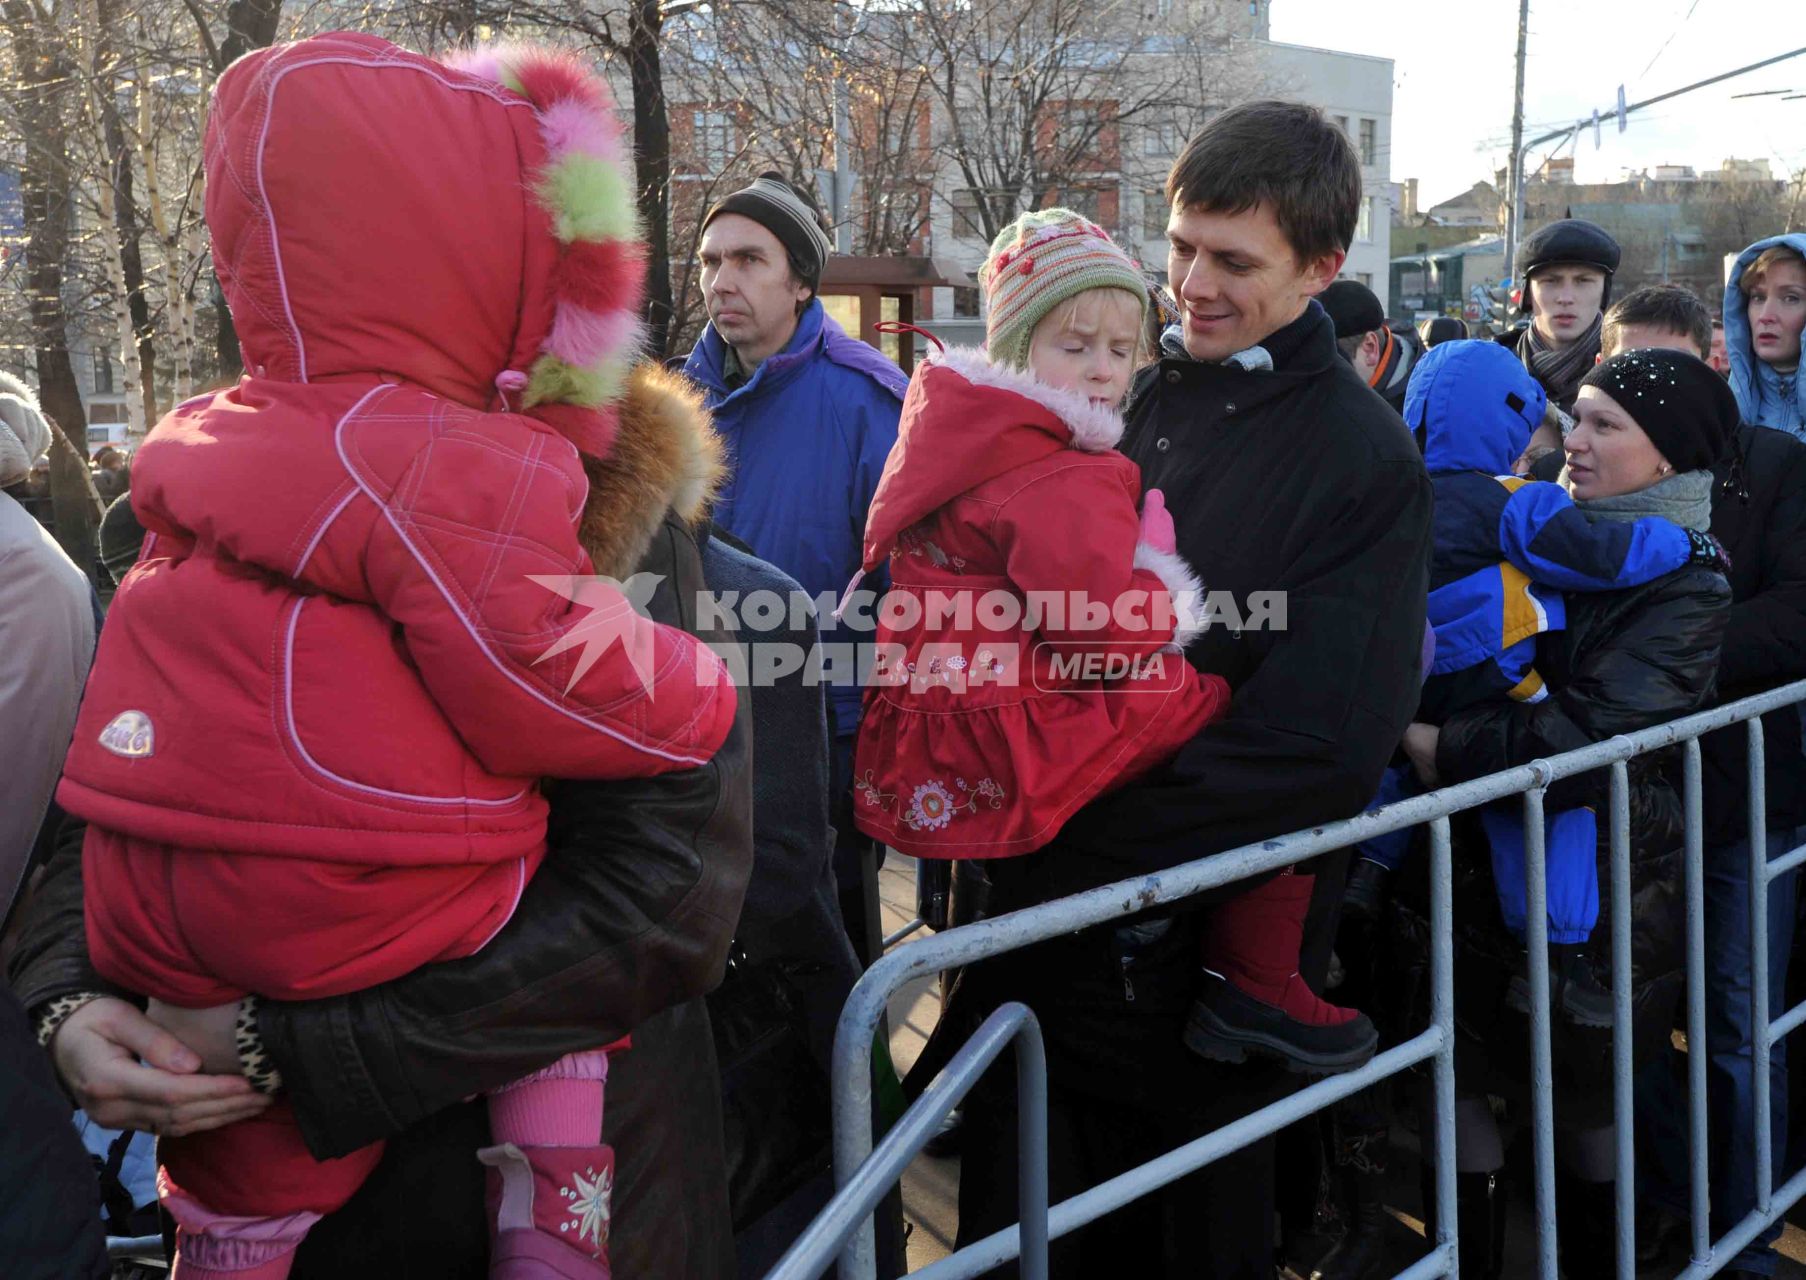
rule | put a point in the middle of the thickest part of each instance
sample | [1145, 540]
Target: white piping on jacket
[314, 542]
[294, 736]
[338, 440]
[263, 136]
[520, 887]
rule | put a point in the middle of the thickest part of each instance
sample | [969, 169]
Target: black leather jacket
[1628, 660]
[631, 913]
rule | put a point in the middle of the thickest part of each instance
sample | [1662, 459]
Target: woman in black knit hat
[1652, 424]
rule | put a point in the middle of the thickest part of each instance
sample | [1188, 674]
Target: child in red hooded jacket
[363, 627]
[1028, 654]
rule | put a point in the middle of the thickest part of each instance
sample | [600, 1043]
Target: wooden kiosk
[862, 292]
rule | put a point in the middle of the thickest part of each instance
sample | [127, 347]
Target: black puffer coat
[1628, 660]
[1765, 637]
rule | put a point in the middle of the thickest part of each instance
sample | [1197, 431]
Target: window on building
[900, 130]
[1365, 277]
[1364, 228]
[1075, 133]
[1161, 136]
[103, 374]
[1155, 213]
[965, 302]
[1370, 145]
[967, 221]
[1081, 200]
[713, 133]
[1341, 123]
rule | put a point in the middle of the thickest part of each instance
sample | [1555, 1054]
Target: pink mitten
[1157, 523]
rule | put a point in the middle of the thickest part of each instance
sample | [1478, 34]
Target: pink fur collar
[1094, 429]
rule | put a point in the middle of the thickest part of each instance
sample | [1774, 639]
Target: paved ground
[931, 1187]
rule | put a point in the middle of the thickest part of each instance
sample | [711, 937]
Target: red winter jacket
[309, 749]
[987, 726]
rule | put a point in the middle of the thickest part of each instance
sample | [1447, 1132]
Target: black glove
[1708, 551]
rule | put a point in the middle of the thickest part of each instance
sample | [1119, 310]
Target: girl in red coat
[363, 627]
[1028, 656]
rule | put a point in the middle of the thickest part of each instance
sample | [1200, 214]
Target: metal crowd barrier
[844, 1227]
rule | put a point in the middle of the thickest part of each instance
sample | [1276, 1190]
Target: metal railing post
[1623, 1095]
[1031, 1155]
[1012, 1025]
[859, 1172]
[1542, 1074]
[851, 1082]
[1442, 1017]
[1761, 1046]
[1693, 853]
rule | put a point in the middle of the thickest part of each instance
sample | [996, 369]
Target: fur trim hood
[24, 431]
[666, 457]
[368, 219]
[966, 420]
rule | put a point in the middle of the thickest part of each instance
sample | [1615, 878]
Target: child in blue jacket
[1505, 550]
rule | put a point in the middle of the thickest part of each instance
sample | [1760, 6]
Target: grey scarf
[1255, 359]
[1560, 371]
[1685, 499]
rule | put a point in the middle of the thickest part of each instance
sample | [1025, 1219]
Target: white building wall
[1357, 88]
[1348, 86]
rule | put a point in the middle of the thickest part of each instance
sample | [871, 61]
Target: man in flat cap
[1567, 269]
[808, 416]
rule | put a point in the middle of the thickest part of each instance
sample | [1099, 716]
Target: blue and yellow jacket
[1506, 548]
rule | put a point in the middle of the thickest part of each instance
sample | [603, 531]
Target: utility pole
[843, 163]
[1514, 194]
[836, 185]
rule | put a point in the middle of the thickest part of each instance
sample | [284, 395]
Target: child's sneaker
[552, 1211]
[1254, 1001]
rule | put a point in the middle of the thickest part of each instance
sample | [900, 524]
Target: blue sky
[1452, 80]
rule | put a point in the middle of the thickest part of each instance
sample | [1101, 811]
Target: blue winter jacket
[806, 437]
[1765, 397]
[1505, 548]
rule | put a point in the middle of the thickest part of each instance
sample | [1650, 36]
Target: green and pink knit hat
[1039, 261]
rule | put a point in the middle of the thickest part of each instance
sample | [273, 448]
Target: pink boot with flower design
[552, 1212]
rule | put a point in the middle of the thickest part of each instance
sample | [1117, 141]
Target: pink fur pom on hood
[587, 186]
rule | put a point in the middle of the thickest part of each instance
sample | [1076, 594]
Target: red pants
[261, 1167]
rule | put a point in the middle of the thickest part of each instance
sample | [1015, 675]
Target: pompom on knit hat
[1039, 261]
